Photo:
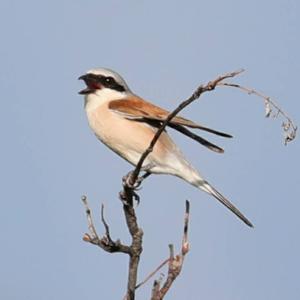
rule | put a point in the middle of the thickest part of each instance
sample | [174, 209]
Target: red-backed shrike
[127, 123]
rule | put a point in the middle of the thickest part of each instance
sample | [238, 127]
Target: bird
[126, 123]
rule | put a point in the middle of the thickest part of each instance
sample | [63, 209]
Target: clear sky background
[164, 50]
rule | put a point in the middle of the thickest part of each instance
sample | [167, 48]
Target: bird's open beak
[91, 82]
[87, 90]
[82, 77]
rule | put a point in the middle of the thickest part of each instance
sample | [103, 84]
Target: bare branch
[185, 244]
[92, 237]
[136, 233]
[175, 262]
[152, 273]
[107, 234]
[288, 126]
[91, 226]
[199, 91]
[155, 290]
[107, 244]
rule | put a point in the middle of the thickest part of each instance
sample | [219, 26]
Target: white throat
[94, 100]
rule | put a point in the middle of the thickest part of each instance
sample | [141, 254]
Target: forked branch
[175, 262]
[105, 242]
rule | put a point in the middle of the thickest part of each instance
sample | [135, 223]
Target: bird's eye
[109, 80]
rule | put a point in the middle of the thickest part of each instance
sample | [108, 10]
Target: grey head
[100, 78]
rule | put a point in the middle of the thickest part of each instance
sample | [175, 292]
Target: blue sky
[164, 50]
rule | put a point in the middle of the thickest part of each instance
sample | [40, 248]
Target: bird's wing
[138, 109]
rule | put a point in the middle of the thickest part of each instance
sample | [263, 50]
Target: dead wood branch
[272, 109]
[105, 242]
[135, 247]
[152, 273]
[175, 262]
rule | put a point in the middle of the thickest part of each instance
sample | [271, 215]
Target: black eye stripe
[109, 80]
[106, 80]
[111, 83]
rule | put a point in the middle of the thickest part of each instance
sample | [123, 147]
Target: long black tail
[204, 185]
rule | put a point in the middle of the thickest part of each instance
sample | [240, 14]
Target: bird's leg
[147, 173]
[141, 179]
[130, 188]
[127, 180]
[129, 191]
[127, 183]
[147, 168]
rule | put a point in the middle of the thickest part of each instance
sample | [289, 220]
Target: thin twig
[175, 262]
[184, 247]
[153, 273]
[105, 224]
[185, 243]
[106, 243]
[91, 226]
[289, 127]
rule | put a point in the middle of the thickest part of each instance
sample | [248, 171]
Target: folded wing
[135, 108]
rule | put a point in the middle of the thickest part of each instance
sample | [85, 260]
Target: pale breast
[127, 138]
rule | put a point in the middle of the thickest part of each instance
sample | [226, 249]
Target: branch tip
[187, 206]
[171, 249]
[86, 237]
[272, 109]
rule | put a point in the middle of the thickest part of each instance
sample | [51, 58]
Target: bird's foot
[147, 173]
[141, 179]
[128, 179]
[131, 186]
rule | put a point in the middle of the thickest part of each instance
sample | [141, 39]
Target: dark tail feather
[223, 134]
[197, 138]
[220, 133]
[208, 188]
